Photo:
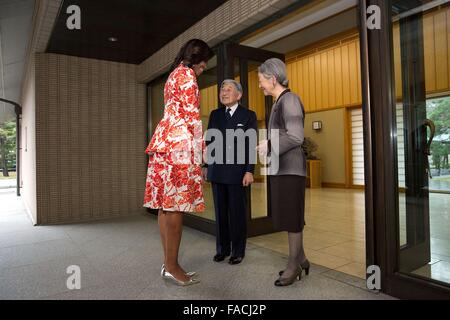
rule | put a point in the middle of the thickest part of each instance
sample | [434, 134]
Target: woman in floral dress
[174, 177]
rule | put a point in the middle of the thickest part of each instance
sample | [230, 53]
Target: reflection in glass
[156, 103]
[422, 84]
[256, 102]
[208, 102]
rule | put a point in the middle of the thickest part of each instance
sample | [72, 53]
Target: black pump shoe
[281, 282]
[305, 266]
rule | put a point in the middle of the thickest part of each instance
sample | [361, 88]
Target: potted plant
[309, 147]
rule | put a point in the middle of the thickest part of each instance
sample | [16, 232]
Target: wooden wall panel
[318, 82]
[326, 79]
[305, 95]
[256, 99]
[353, 57]
[339, 85]
[436, 34]
[345, 76]
[440, 39]
[330, 77]
[325, 92]
[208, 100]
[430, 54]
[448, 43]
[312, 106]
[397, 64]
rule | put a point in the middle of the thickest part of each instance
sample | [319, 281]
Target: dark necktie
[228, 114]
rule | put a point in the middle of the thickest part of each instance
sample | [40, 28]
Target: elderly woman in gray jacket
[288, 165]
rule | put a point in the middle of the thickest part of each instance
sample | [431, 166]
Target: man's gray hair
[236, 84]
[274, 67]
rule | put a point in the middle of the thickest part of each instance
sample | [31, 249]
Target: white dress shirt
[233, 108]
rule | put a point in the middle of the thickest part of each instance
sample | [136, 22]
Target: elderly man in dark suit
[231, 171]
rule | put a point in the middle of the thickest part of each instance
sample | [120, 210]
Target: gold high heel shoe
[191, 281]
[189, 274]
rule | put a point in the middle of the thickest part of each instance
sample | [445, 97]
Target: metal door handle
[427, 149]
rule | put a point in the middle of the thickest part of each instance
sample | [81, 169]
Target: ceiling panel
[142, 27]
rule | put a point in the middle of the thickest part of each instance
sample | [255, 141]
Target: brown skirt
[287, 202]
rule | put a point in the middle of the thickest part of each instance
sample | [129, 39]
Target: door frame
[415, 253]
[226, 51]
[232, 50]
[382, 220]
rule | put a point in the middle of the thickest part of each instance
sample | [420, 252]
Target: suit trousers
[230, 205]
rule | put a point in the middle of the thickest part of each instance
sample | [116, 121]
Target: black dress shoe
[235, 260]
[219, 257]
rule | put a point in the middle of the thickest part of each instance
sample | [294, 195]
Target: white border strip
[328, 11]
[421, 8]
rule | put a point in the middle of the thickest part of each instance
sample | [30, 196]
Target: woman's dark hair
[193, 52]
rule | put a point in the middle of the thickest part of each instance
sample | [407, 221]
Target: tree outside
[438, 111]
[7, 147]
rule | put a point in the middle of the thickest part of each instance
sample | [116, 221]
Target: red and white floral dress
[174, 176]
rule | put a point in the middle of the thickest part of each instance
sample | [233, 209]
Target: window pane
[422, 80]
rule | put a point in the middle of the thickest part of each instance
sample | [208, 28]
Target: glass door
[207, 83]
[421, 34]
[243, 66]
[415, 252]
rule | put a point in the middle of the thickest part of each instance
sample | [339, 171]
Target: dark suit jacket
[228, 170]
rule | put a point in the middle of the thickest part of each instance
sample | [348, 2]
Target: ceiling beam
[44, 17]
[227, 20]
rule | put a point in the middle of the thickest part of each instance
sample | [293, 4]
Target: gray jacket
[288, 117]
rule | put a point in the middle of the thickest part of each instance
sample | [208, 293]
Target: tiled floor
[439, 270]
[259, 201]
[335, 232]
[121, 259]
[334, 243]
[439, 266]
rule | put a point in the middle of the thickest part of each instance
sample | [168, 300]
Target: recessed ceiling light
[112, 39]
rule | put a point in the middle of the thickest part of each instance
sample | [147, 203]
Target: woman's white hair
[274, 67]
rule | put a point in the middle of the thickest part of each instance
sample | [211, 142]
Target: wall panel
[90, 139]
